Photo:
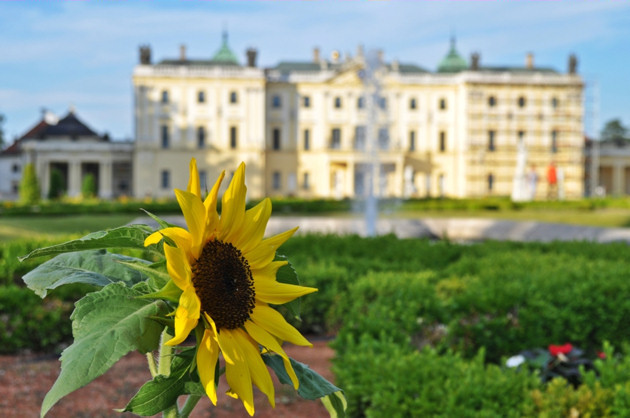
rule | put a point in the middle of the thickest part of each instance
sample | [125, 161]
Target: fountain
[371, 76]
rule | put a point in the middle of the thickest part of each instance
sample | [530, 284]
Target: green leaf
[97, 267]
[287, 274]
[312, 385]
[161, 222]
[131, 236]
[169, 292]
[156, 271]
[335, 404]
[162, 392]
[106, 325]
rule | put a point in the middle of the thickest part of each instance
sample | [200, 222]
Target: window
[492, 101]
[275, 139]
[491, 145]
[521, 101]
[15, 168]
[276, 102]
[165, 96]
[306, 101]
[554, 102]
[276, 180]
[382, 103]
[383, 139]
[164, 136]
[554, 141]
[307, 139]
[233, 97]
[201, 137]
[442, 104]
[442, 141]
[337, 102]
[306, 183]
[521, 135]
[412, 140]
[490, 182]
[233, 137]
[203, 185]
[412, 104]
[201, 97]
[360, 103]
[359, 137]
[166, 179]
[335, 140]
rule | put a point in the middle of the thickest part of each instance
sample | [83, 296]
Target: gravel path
[25, 379]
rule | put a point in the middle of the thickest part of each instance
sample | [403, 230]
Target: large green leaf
[131, 236]
[287, 274]
[106, 325]
[162, 392]
[96, 267]
[312, 384]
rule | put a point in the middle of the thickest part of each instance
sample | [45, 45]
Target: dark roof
[297, 66]
[198, 62]
[69, 125]
[410, 69]
[289, 66]
[525, 70]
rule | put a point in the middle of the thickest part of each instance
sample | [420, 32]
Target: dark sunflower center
[224, 284]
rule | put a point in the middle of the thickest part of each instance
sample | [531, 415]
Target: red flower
[555, 350]
[601, 355]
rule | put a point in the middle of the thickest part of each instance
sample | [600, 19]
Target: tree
[57, 184]
[29, 187]
[614, 131]
[88, 187]
[2, 140]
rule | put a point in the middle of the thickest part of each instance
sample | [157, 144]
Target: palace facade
[335, 127]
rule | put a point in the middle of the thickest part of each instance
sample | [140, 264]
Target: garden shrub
[29, 186]
[382, 378]
[27, 322]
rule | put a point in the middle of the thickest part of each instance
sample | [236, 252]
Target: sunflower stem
[152, 365]
[189, 405]
[164, 368]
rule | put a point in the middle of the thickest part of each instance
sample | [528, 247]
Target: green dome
[225, 55]
[452, 62]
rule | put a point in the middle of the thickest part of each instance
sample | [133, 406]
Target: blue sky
[55, 54]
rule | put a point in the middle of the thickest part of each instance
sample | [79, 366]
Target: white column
[74, 178]
[618, 179]
[105, 180]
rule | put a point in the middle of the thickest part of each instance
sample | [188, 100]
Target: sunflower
[227, 275]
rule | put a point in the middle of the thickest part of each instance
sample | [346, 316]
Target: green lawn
[45, 226]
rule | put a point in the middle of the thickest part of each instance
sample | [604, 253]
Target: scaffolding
[591, 128]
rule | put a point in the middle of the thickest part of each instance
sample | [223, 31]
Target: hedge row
[307, 206]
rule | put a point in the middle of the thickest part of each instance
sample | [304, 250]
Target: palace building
[335, 127]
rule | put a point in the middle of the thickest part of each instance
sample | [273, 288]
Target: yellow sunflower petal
[269, 342]
[233, 206]
[266, 250]
[257, 369]
[180, 236]
[269, 271]
[212, 217]
[273, 322]
[236, 369]
[178, 266]
[195, 215]
[278, 293]
[207, 356]
[186, 316]
[254, 226]
[193, 181]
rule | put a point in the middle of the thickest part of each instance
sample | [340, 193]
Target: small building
[75, 150]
